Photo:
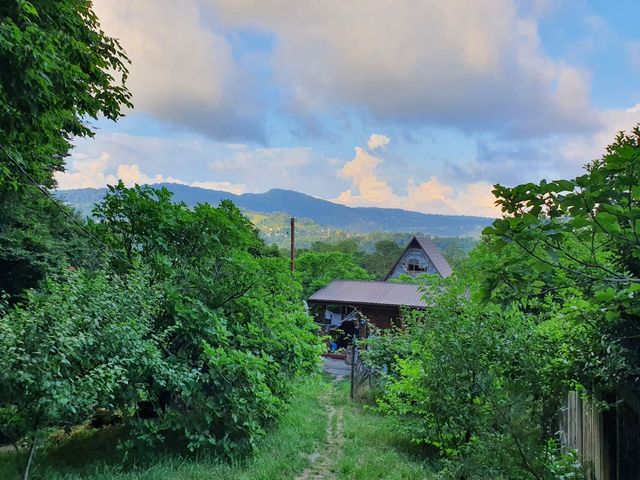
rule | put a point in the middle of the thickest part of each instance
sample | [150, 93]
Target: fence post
[354, 358]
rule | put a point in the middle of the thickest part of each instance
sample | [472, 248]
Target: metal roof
[359, 292]
[433, 252]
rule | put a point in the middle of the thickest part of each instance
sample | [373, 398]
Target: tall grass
[93, 454]
[376, 447]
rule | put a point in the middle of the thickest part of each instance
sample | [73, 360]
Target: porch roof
[361, 292]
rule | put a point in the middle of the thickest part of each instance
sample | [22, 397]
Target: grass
[372, 447]
[375, 446]
[283, 453]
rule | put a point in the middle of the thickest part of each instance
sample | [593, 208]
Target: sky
[422, 105]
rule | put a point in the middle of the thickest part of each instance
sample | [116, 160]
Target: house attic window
[414, 266]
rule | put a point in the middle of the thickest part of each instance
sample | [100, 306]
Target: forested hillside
[322, 212]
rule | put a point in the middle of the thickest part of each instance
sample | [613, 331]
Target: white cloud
[431, 196]
[634, 109]
[258, 159]
[377, 141]
[131, 175]
[93, 173]
[362, 173]
[86, 172]
[199, 161]
[576, 151]
[478, 66]
[182, 72]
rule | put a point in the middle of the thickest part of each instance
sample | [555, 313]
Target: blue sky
[417, 105]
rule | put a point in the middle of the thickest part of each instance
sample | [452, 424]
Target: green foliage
[317, 270]
[547, 303]
[78, 344]
[384, 256]
[37, 241]
[57, 68]
[232, 326]
[87, 453]
[471, 380]
[194, 331]
[576, 244]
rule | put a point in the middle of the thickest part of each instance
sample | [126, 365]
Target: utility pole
[293, 244]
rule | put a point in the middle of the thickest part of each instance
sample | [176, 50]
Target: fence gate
[361, 375]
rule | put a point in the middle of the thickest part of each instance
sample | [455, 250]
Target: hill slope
[322, 212]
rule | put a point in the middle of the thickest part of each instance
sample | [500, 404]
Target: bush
[194, 331]
[72, 347]
[469, 380]
[232, 327]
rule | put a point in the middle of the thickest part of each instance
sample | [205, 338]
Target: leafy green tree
[577, 244]
[38, 241]
[317, 270]
[57, 69]
[476, 381]
[232, 326]
[77, 345]
[378, 263]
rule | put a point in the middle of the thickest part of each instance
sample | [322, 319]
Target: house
[420, 256]
[381, 302]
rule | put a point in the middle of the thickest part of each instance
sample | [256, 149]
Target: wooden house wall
[381, 317]
[415, 254]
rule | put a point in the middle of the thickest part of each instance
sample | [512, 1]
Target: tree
[79, 344]
[37, 241]
[317, 270]
[57, 69]
[579, 243]
[232, 327]
[378, 263]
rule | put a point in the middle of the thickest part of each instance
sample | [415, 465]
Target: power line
[60, 207]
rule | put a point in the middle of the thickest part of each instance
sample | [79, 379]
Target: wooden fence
[606, 437]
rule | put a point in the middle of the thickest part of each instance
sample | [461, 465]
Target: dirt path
[323, 463]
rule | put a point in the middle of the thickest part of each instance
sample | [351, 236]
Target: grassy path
[360, 444]
[323, 436]
[323, 464]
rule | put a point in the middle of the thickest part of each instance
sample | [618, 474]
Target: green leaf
[608, 222]
[565, 185]
[28, 8]
[606, 295]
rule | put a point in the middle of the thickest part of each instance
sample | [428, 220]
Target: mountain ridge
[297, 204]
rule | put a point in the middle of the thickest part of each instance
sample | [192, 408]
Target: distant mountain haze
[322, 212]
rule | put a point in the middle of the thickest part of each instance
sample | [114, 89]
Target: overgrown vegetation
[91, 454]
[376, 447]
[192, 328]
[546, 304]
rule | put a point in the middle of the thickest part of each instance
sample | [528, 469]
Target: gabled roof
[430, 249]
[360, 292]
